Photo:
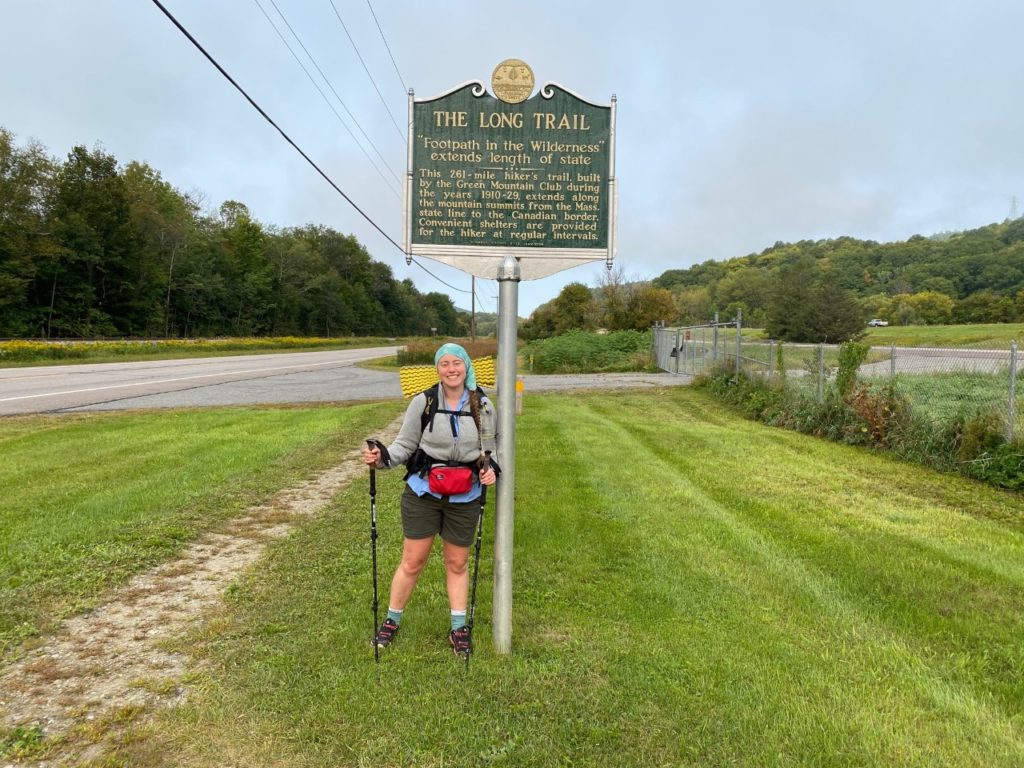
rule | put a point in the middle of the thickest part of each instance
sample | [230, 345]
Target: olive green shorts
[425, 516]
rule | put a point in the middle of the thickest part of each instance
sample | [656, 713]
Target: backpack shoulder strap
[427, 417]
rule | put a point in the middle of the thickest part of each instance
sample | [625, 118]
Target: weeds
[22, 742]
[880, 416]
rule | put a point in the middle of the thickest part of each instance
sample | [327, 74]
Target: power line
[388, 47]
[294, 146]
[366, 69]
[267, 117]
[460, 290]
[329, 85]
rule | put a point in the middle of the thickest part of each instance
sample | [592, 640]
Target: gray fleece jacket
[439, 442]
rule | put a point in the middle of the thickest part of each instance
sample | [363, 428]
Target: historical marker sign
[490, 176]
[510, 187]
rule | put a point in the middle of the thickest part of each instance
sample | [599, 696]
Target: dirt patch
[113, 660]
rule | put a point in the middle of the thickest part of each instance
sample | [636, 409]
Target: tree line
[90, 248]
[976, 276]
[813, 291]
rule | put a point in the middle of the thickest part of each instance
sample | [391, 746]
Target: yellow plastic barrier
[416, 378]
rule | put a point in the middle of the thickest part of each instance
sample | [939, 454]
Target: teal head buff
[459, 352]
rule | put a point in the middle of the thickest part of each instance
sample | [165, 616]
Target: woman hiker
[444, 435]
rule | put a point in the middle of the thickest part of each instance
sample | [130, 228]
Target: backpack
[432, 407]
[419, 462]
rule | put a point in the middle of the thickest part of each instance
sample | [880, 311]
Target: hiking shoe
[459, 638]
[386, 633]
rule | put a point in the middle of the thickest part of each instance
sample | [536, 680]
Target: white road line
[166, 381]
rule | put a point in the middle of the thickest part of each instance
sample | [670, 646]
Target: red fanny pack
[450, 481]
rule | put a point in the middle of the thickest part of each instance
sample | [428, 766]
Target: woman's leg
[456, 559]
[414, 557]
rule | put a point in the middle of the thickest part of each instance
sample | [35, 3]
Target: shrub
[883, 413]
[421, 351]
[586, 352]
[1003, 465]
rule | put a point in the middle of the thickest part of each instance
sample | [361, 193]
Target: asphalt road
[292, 377]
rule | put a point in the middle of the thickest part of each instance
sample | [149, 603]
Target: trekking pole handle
[373, 474]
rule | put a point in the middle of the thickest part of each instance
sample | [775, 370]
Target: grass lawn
[982, 335]
[20, 353]
[690, 589]
[90, 500]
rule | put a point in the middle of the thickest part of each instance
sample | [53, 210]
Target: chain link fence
[941, 383]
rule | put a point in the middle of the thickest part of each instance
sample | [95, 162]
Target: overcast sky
[740, 123]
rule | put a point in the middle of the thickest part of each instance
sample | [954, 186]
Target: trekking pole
[485, 462]
[373, 546]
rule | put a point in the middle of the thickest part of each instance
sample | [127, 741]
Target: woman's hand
[371, 456]
[487, 477]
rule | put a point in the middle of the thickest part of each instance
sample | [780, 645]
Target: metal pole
[892, 361]
[703, 350]
[739, 334]
[714, 343]
[771, 358]
[821, 372]
[1011, 412]
[679, 353]
[504, 512]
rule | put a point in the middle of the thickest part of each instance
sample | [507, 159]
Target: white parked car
[876, 323]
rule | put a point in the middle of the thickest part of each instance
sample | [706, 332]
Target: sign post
[515, 187]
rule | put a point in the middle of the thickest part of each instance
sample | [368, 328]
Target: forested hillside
[90, 247]
[966, 277]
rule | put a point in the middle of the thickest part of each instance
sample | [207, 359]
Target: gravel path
[107, 667]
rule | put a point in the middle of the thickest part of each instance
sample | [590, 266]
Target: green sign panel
[488, 177]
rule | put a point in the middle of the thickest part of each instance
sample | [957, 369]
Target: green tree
[613, 300]
[693, 304]
[574, 307]
[838, 316]
[648, 305]
[26, 178]
[984, 307]
[932, 308]
[808, 306]
[92, 281]
[791, 309]
[163, 221]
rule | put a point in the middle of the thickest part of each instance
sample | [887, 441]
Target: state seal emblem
[512, 81]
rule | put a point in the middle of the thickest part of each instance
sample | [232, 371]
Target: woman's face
[452, 371]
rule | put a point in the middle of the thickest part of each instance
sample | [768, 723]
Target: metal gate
[693, 349]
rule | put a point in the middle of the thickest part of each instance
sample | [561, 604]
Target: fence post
[714, 343]
[1011, 412]
[892, 361]
[679, 352]
[703, 352]
[771, 358]
[739, 334]
[821, 373]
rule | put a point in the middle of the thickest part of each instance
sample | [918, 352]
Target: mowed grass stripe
[797, 573]
[686, 593]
